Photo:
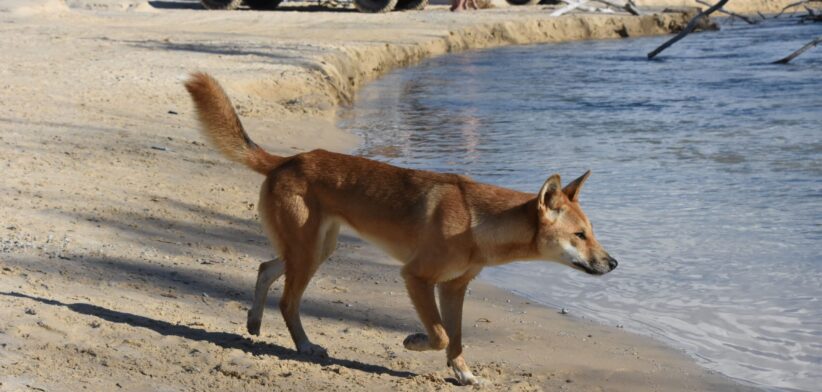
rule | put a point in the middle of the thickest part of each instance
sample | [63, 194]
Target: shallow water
[706, 185]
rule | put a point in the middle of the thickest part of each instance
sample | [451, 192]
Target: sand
[128, 248]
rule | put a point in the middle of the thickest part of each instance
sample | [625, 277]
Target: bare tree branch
[734, 14]
[800, 51]
[689, 28]
[789, 6]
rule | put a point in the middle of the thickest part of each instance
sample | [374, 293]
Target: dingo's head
[565, 234]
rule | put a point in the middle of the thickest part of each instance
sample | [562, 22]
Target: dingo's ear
[549, 194]
[572, 190]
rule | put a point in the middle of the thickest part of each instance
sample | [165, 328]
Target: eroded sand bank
[129, 248]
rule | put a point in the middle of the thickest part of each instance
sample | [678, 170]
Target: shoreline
[744, 7]
[129, 248]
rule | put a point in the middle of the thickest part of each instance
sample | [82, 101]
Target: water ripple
[707, 179]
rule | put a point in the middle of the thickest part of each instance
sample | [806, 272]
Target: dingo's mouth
[585, 268]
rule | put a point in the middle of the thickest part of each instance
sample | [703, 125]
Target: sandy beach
[129, 248]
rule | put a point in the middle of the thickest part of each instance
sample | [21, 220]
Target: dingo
[444, 228]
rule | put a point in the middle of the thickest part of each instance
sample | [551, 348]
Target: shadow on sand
[169, 235]
[223, 339]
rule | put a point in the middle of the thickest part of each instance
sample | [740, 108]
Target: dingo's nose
[612, 263]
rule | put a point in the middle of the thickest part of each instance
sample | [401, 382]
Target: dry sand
[128, 248]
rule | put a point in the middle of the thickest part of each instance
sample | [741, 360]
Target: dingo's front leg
[422, 296]
[452, 296]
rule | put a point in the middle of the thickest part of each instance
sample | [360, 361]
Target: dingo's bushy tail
[222, 127]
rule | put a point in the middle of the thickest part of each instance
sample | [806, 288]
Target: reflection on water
[707, 181]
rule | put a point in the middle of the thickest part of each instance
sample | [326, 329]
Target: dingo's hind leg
[329, 240]
[299, 270]
[301, 264]
[269, 272]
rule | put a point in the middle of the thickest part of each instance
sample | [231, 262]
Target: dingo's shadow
[218, 229]
[222, 339]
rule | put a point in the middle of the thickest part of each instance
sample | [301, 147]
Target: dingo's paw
[416, 342]
[253, 326]
[467, 378]
[463, 375]
[314, 350]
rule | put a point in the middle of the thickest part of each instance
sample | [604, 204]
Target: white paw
[467, 378]
[470, 379]
[464, 376]
[416, 342]
[313, 350]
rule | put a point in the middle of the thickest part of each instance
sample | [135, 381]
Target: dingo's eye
[581, 235]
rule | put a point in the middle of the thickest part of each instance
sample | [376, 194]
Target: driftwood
[632, 8]
[734, 14]
[572, 5]
[627, 7]
[689, 28]
[590, 8]
[581, 4]
[800, 51]
[798, 3]
[812, 16]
